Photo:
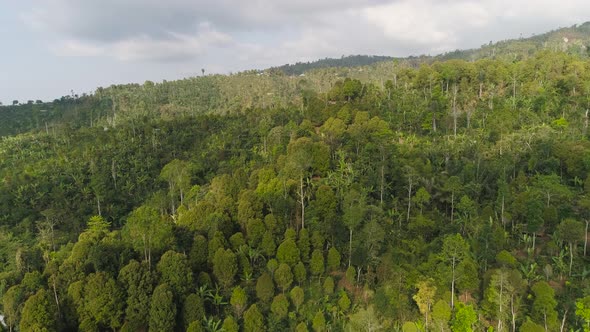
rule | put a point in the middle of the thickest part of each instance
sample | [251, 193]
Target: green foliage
[239, 300]
[175, 272]
[297, 296]
[472, 173]
[193, 310]
[280, 306]
[138, 281]
[284, 277]
[464, 318]
[39, 313]
[230, 324]
[225, 266]
[319, 322]
[162, 309]
[543, 308]
[344, 302]
[316, 265]
[100, 302]
[288, 252]
[265, 288]
[333, 259]
[529, 326]
[253, 320]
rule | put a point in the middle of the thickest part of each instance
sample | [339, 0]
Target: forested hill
[272, 87]
[444, 196]
[572, 40]
[345, 61]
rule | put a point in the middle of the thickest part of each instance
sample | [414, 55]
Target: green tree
[304, 245]
[301, 327]
[162, 309]
[225, 267]
[193, 310]
[583, 311]
[328, 286]
[280, 306]
[253, 320]
[147, 232]
[571, 231]
[319, 322]
[441, 315]
[195, 326]
[300, 273]
[138, 281]
[316, 265]
[543, 309]
[230, 325]
[284, 277]
[176, 273]
[354, 208]
[529, 326]
[304, 159]
[425, 298]
[288, 252]
[344, 302]
[265, 288]
[39, 313]
[454, 250]
[102, 301]
[297, 296]
[239, 300]
[12, 303]
[177, 174]
[268, 245]
[333, 259]
[465, 317]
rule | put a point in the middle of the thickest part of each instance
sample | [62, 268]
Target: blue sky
[51, 47]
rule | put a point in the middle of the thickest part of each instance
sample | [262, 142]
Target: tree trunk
[545, 321]
[562, 327]
[434, 122]
[586, 238]
[382, 177]
[501, 309]
[455, 111]
[452, 206]
[56, 297]
[409, 201]
[98, 205]
[571, 257]
[301, 194]
[513, 312]
[480, 89]
[453, 284]
[350, 248]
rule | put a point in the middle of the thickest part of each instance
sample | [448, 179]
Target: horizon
[62, 46]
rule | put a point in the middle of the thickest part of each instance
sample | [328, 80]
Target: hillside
[572, 40]
[405, 195]
[345, 61]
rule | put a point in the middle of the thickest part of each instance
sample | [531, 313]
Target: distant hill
[274, 87]
[345, 61]
[572, 40]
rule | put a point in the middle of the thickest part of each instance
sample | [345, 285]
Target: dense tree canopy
[436, 195]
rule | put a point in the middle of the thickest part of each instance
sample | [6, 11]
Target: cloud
[259, 33]
[177, 47]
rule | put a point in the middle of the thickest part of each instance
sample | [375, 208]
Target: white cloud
[266, 32]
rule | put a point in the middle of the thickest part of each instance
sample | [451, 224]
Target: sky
[51, 48]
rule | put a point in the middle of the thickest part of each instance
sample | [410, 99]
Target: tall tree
[454, 250]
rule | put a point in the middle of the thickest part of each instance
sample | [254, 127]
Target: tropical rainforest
[443, 193]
